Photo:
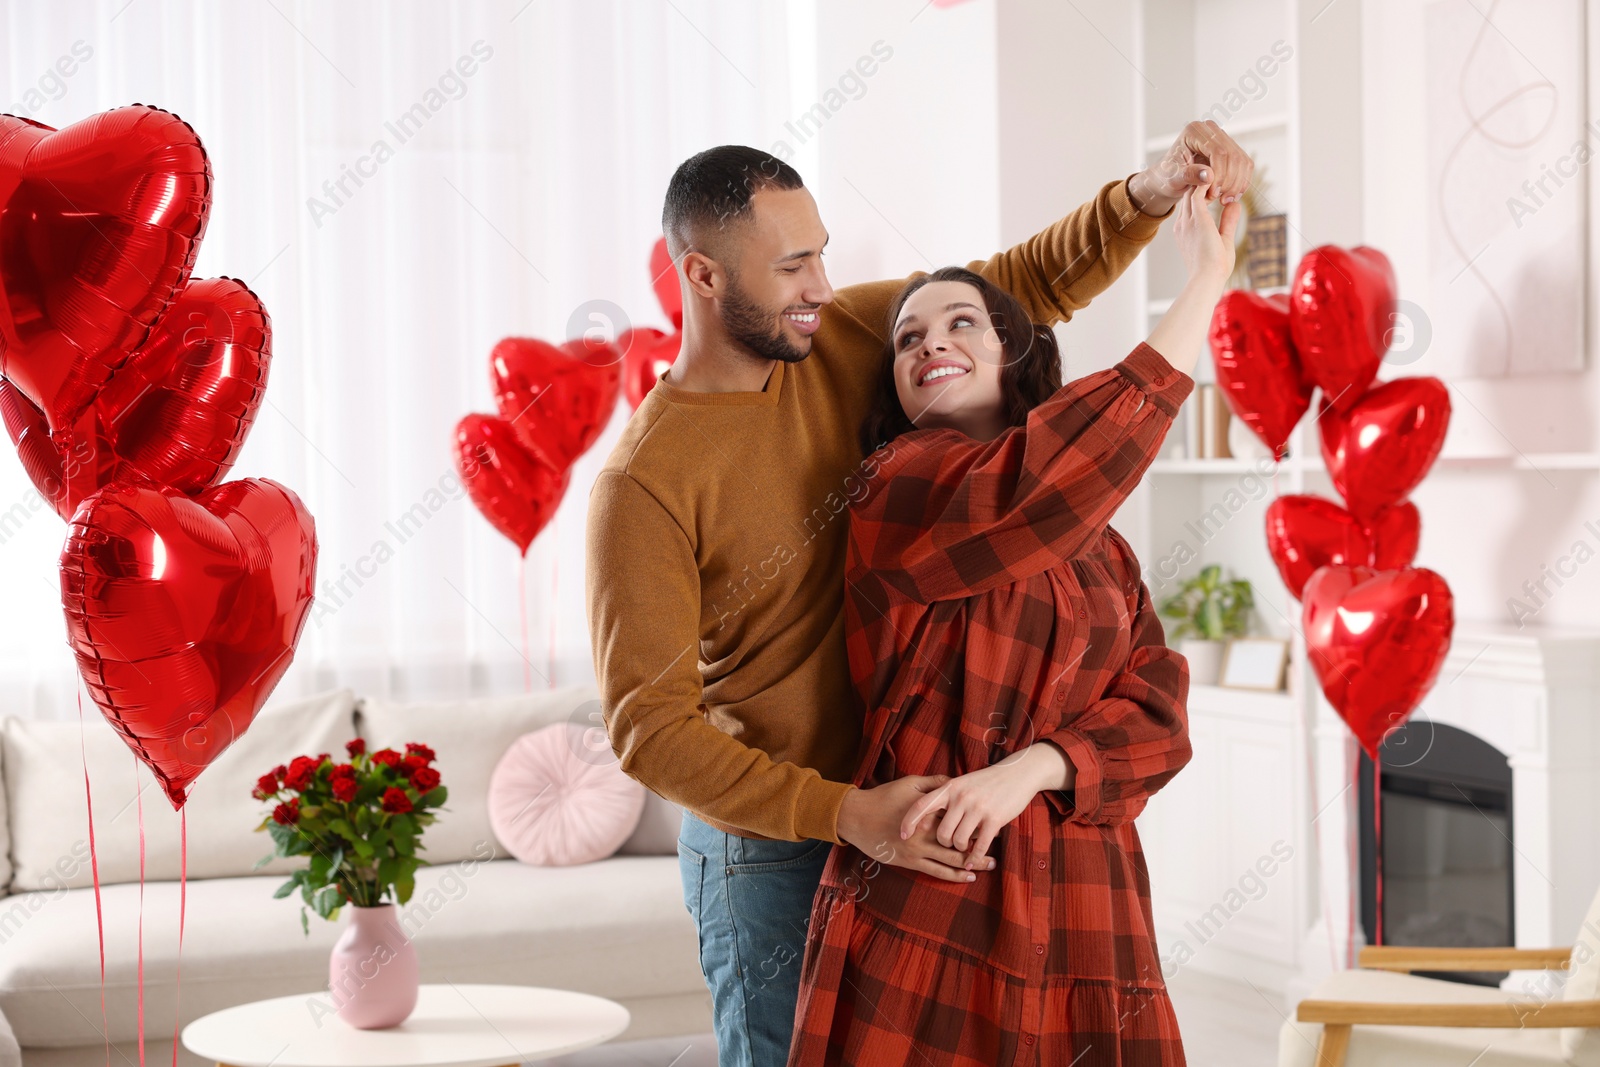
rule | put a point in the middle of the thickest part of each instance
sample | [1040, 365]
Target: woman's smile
[939, 369]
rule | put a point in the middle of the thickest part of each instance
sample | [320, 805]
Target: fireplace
[1448, 871]
[1531, 693]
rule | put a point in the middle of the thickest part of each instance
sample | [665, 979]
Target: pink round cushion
[553, 803]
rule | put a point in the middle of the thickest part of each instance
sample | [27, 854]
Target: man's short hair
[710, 193]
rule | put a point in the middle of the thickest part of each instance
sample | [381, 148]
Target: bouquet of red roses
[359, 822]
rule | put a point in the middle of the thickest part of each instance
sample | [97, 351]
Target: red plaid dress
[990, 606]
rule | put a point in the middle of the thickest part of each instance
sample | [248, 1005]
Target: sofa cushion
[469, 737]
[44, 765]
[1581, 1045]
[657, 832]
[616, 928]
[5, 833]
[552, 805]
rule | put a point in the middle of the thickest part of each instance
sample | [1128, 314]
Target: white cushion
[657, 832]
[616, 928]
[1418, 1046]
[44, 766]
[469, 737]
[1581, 1045]
[5, 834]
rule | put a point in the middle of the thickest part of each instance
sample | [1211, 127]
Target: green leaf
[326, 901]
[404, 886]
[290, 841]
[288, 887]
[305, 922]
[1208, 607]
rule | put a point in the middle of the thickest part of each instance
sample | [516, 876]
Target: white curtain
[532, 190]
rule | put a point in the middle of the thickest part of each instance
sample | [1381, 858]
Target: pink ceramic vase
[372, 973]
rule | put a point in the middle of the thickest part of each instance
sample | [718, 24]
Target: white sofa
[617, 928]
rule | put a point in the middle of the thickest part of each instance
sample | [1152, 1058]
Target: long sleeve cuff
[1131, 222]
[817, 813]
[1086, 792]
[1149, 370]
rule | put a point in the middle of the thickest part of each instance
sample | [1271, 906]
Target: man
[716, 544]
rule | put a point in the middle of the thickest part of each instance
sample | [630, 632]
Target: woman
[999, 634]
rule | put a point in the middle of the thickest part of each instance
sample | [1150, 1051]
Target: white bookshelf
[1246, 786]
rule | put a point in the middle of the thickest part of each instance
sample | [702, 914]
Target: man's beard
[756, 328]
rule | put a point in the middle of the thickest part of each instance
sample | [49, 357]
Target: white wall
[909, 172]
[1066, 128]
[1487, 532]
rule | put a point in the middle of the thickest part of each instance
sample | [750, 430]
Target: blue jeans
[751, 900]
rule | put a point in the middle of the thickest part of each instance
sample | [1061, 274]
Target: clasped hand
[899, 822]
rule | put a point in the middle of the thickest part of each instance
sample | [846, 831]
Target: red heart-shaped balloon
[1381, 449]
[100, 223]
[1305, 533]
[1256, 364]
[664, 280]
[514, 487]
[1395, 533]
[1376, 640]
[557, 399]
[177, 411]
[1341, 315]
[646, 355]
[184, 612]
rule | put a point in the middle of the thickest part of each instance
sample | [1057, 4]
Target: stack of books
[1206, 418]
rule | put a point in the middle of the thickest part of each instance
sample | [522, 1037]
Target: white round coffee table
[453, 1026]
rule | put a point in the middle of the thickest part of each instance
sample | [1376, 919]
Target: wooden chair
[1338, 1016]
[1470, 1024]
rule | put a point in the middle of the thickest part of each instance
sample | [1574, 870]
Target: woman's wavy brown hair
[1031, 373]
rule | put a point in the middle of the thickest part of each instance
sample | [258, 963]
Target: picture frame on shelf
[1257, 663]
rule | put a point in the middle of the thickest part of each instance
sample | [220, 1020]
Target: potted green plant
[1209, 610]
[360, 826]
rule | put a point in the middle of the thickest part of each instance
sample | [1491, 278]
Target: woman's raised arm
[1208, 255]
